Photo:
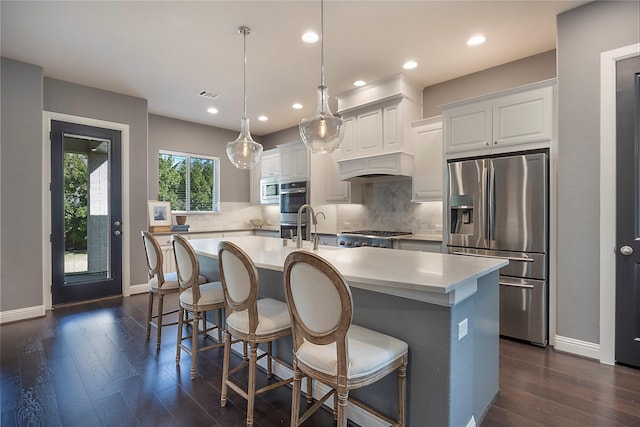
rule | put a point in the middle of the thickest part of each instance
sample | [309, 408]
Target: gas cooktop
[373, 238]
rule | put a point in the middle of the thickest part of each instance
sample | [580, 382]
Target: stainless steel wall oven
[292, 196]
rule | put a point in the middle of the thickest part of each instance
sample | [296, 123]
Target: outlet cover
[463, 329]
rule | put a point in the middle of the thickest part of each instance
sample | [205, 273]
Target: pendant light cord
[322, 43]
[244, 73]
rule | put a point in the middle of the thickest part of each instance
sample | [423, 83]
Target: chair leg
[160, 308]
[309, 389]
[225, 368]
[343, 396]
[402, 394]
[149, 314]
[269, 359]
[251, 387]
[180, 322]
[219, 325]
[295, 395]
[194, 343]
[245, 352]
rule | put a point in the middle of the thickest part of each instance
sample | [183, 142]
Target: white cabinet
[266, 233]
[381, 128]
[294, 162]
[335, 190]
[428, 160]
[519, 116]
[417, 245]
[377, 116]
[270, 164]
[168, 260]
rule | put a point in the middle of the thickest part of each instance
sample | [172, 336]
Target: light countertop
[430, 277]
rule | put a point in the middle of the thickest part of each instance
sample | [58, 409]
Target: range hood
[381, 167]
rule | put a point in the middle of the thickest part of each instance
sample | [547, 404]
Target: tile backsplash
[388, 206]
[232, 215]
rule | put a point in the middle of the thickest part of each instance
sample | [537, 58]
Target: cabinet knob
[487, 143]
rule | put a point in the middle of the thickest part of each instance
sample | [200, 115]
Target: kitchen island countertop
[436, 278]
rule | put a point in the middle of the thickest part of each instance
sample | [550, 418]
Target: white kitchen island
[422, 298]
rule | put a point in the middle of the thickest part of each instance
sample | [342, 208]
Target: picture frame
[159, 213]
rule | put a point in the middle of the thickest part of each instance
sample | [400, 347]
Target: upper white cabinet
[270, 164]
[377, 117]
[486, 124]
[428, 160]
[326, 186]
[294, 162]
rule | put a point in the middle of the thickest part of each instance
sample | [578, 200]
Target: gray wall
[513, 74]
[21, 261]
[583, 33]
[172, 134]
[70, 98]
[281, 137]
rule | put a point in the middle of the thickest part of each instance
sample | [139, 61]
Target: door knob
[626, 250]
[117, 223]
[117, 232]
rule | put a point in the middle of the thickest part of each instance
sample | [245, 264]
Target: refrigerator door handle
[491, 226]
[508, 258]
[516, 285]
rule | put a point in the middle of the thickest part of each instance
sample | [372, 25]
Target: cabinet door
[468, 128]
[523, 117]
[286, 163]
[168, 260]
[392, 128]
[336, 191]
[427, 175]
[348, 142]
[369, 136]
[300, 158]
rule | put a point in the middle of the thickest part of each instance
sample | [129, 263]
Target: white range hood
[381, 167]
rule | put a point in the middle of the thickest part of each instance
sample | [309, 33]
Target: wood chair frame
[252, 339]
[155, 260]
[340, 383]
[195, 309]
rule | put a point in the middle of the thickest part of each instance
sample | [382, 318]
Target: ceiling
[167, 51]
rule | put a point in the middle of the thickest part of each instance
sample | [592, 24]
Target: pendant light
[323, 132]
[244, 152]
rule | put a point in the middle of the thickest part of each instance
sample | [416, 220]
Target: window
[190, 182]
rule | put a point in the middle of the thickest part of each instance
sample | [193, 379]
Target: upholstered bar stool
[328, 347]
[251, 320]
[196, 298]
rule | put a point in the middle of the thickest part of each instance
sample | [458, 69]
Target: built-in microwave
[269, 191]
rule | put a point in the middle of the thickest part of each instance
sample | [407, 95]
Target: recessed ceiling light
[476, 40]
[310, 37]
[212, 110]
[410, 65]
[263, 118]
[359, 83]
[297, 106]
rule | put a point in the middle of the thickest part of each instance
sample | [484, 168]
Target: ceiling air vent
[206, 94]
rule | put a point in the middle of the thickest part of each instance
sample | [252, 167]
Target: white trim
[47, 117]
[21, 314]
[608, 197]
[577, 347]
[472, 422]
[138, 289]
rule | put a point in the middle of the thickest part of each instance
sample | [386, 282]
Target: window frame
[216, 179]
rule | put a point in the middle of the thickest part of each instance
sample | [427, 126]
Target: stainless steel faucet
[313, 218]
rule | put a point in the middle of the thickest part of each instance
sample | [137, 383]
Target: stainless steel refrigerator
[498, 207]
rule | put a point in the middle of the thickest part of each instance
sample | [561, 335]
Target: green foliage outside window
[188, 182]
[75, 201]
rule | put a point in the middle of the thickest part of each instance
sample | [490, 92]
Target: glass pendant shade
[244, 152]
[323, 132]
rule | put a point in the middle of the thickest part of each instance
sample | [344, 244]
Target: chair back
[240, 281]
[187, 265]
[319, 301]
[153, 251]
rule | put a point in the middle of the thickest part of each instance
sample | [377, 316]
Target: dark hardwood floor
[90, 365]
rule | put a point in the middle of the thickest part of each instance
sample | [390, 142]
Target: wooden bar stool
[251, 320]
[196, 298]
[328, 347]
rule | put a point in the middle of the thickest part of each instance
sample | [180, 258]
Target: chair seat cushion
[369, 351]
[273, 316]
[210, 294]
[170, 281]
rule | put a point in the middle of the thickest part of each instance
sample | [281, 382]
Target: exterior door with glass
[86, 212]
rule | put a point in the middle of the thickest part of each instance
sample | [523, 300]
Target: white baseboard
[472, 422]
[21, 314]
[354, 412]
[138, 289]
[577, 347]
